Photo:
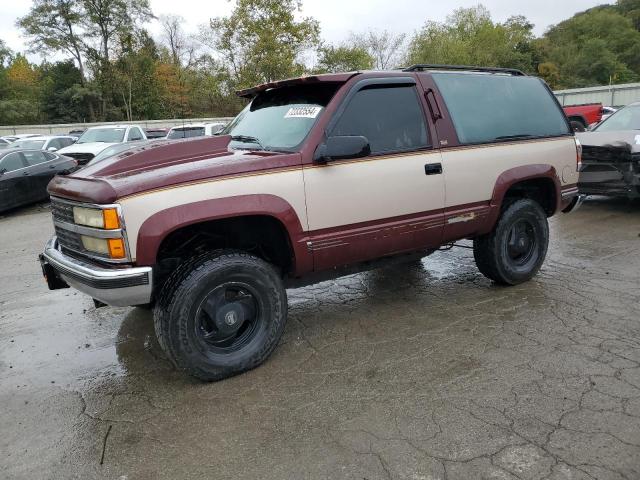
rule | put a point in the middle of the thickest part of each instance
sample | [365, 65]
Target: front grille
[68, 239]
[70, 242]
[62, 212]
[80, 157]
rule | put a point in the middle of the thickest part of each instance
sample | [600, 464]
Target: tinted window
[186, 132]
[487, 108]
[627, 118]
[390, 118]
[65, 142]
[34, 158]
[12, 162]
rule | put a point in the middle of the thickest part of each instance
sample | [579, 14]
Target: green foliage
[262, 41]
[595, 47]
[470, 37]
[333, 59]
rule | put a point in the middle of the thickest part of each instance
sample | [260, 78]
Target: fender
[156, 228]
[510, 177]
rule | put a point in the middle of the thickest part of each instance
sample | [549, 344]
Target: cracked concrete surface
[421, 371]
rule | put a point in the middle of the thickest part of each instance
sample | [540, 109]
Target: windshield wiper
[247, 139]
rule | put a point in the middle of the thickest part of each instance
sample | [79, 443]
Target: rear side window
[34, 158]
[389, 117]
[489, 108]
[12, 162]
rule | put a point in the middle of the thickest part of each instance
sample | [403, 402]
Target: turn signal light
[116, 247]
[111, 220]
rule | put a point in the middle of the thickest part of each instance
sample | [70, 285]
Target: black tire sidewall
[521, 210]
[269, 295]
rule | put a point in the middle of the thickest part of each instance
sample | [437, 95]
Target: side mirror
[52, 149]
[342, 146]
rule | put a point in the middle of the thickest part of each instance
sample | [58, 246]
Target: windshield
[102, 135]
[281, 118]
[30, 144]
[627, 118]
[186, 132]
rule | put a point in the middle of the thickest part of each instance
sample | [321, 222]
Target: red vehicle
[583, 115]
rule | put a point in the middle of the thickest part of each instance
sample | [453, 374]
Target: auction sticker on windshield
[303, 112]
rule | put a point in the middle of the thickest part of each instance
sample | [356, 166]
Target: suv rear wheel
[221, 314]
[514, 251]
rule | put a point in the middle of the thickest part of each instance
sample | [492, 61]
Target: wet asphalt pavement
[422, 371]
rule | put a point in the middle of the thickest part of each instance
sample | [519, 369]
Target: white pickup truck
[95, 139]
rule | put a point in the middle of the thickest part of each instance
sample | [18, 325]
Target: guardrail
[66, 127]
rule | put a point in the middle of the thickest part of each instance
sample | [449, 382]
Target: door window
[390, 117]
[134, 134]
[35, 158]
[55, 143]
[12, 162]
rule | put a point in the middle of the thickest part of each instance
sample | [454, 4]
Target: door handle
[433, 169]
[25, 174]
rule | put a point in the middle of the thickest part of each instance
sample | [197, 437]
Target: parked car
[116, 150]
[154, 133]
[194, 130]
[317, 177]
[611, 155]
[96, 139]
[583, 115]
[24, 175]
[4, 143]
[51, 143]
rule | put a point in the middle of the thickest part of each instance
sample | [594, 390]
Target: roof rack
[421, 67]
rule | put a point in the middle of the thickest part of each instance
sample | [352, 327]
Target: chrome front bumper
[113, 286]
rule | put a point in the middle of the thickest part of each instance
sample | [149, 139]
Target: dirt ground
[422, 371]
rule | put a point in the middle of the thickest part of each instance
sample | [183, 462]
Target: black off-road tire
[577, 126]
[178, 307]
[491, 251]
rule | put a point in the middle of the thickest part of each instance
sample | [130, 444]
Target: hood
[163, 164]
[91, 147]
[629, 139]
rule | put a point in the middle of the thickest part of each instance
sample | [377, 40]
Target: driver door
[389, 202]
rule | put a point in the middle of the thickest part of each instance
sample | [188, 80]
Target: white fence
[613, 95]
[66, 127]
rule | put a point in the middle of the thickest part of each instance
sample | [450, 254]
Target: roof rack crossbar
[421, 67]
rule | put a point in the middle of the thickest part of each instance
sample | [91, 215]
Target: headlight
[111, 247]
[91, 217]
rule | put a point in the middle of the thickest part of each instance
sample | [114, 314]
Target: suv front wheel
[516, 248]
[221, 314]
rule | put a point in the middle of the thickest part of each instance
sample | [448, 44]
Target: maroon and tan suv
[317, 177]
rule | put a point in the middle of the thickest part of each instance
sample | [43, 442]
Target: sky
[337, 17]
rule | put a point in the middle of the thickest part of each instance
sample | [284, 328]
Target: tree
[384, 47]
[595, 47]
[470, 37]
[343, 59]
[262, 41]
[54, 26]
[181, 47]
[105, 21]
